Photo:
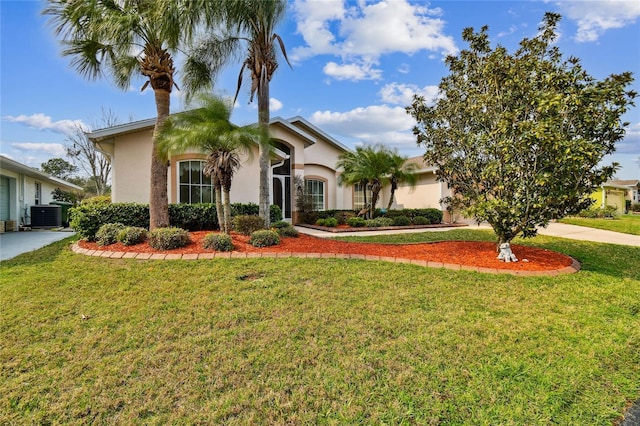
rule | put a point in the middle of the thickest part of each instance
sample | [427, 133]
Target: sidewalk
[15, 243]
[554, 229]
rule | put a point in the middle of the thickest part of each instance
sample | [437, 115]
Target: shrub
[287, 231]
[329, 222]
[98, 199]
[86, 219]
[635, 207]
[246, 224]
[132, 235]
[599, 213]
[401, 221]
[379, 222]
[280, 224]
[343, 216]
[168, 238]
[193, 217]
[218, 242]
[264, 238]
[421, 220]
[108, 233]
[275, 213]
[356, 222]
[321, 222]
[309, 217]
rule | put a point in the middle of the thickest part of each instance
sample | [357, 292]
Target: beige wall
[131, 165]
[426, 194]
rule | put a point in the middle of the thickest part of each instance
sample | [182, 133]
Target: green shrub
[193, 217]
[98, 199]
[108, 233]
[421, 220]
[132, 235]
[330, 222]
[309, 217]
[635, 207]
[287, 231]
[379, 222]
[168, 238]
[280, 224]
[401, 221]
[343, 216]
[321, 222]
[264, 238]
[356, 222]
[607, 212]
[275, 213]
[246, 224]
[218, 242]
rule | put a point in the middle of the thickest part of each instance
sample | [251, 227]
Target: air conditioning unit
[46, 216]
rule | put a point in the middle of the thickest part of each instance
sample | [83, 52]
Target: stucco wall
[426, 194]
[131, 165]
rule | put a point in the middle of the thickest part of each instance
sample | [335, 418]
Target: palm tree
[367, 166]
[250, 23]
[400, 171]
[126, 38]
[208, 129]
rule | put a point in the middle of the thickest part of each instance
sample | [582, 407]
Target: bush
[356, 222]
[218, 242]
[280, 224]
[421, 220]
[246, 224]
[321, 222]
[599, 213]
[329, 222]
[309, 217]
[287, 231]
[108, 233]
[635, 207]
[86, 219]
[343, 216]
[193, 217]
[275, 213]
[132, 235]
[168, 238]
[98, 199]
[401, 221]
[264, 238]
[379, 222]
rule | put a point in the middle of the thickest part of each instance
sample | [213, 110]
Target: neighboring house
[22, 187]
[610, 194]
[632, 189]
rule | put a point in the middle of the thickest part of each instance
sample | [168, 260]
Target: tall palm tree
[250, 25]
[125, 38]
[400, 171]
[367, 166]
[209, 130]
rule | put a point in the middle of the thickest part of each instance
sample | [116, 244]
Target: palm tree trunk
[219, 211]
[227, 211]
[158, 199]
[264, 152]
[394, 185]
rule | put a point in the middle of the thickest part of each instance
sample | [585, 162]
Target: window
[358, 196]
[315, 189]
[194, 186]
[38, 193]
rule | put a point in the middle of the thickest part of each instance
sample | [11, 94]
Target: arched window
[194, 186]
[315, 189]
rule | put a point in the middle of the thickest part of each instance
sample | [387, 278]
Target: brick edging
[575, 266]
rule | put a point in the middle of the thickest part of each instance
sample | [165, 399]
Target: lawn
[628, 223]
[87, 340]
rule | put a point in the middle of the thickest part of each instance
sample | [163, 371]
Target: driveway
[15, 243]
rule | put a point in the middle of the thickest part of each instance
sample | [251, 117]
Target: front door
[5, 199]
[281, 182]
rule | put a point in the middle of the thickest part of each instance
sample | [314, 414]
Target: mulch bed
[465, 253]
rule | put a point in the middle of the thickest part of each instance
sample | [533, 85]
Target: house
[22, 187]
[610, 194]
[301, 149]
[632, 189]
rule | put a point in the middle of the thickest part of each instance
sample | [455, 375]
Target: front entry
[281, 182]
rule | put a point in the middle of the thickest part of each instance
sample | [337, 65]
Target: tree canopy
[519, 136]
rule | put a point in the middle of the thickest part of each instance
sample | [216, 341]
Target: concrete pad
[14, 243]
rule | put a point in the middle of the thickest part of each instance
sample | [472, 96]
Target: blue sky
[355, 66]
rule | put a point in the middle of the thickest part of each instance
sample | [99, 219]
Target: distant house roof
[626, 183]
[422, 166]
[7, 163]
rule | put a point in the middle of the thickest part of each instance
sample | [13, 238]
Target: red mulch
[468, 253]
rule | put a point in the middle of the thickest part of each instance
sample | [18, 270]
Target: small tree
[59, 167]
[518, 137]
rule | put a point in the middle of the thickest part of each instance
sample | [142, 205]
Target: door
[5, 199]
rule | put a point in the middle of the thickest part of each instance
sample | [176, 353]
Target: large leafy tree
[60, 168]
[369, 166]
[519, 137]
[208, 129]
[127, 38]
[250, 25]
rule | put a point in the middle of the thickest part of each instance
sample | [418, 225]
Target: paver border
[573, 268]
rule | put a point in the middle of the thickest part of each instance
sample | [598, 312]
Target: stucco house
[301, 149]
[610, 194]
[22, 187]
[632, 189]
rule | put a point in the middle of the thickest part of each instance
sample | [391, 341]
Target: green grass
[628, 223]
[317, 341]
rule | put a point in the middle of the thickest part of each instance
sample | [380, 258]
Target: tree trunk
[219, 211]
[158, 199]
[264, 152]
[394, 185]
[227, 211]
[375, 191]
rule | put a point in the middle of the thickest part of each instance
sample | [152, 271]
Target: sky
[355, 66]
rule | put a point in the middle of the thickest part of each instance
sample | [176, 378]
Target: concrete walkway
[15, 243]
[561, 230]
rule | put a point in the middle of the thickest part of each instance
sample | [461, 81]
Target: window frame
[202, 182]
[315, 202]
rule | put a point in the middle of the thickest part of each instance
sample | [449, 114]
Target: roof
[7, 163]
[309, 127]
[422, 166]
[625, 183]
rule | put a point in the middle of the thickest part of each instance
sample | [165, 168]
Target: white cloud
[402, 94]
[631, 142]
[44, 122]
[274, 104]
[362, 32]
[595, 17]
[353, 72]
[52, 149]
[373, 124]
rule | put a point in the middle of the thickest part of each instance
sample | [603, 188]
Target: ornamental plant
[168, 238]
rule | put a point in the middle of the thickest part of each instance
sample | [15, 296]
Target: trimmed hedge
[132, 235]
[434, 215]
[218, 242]
[168, 238]
[108, 233]
[87, 218]
[246, 224]
[264, 238]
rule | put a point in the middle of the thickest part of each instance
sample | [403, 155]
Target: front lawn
[628, 223]
[88, 340]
